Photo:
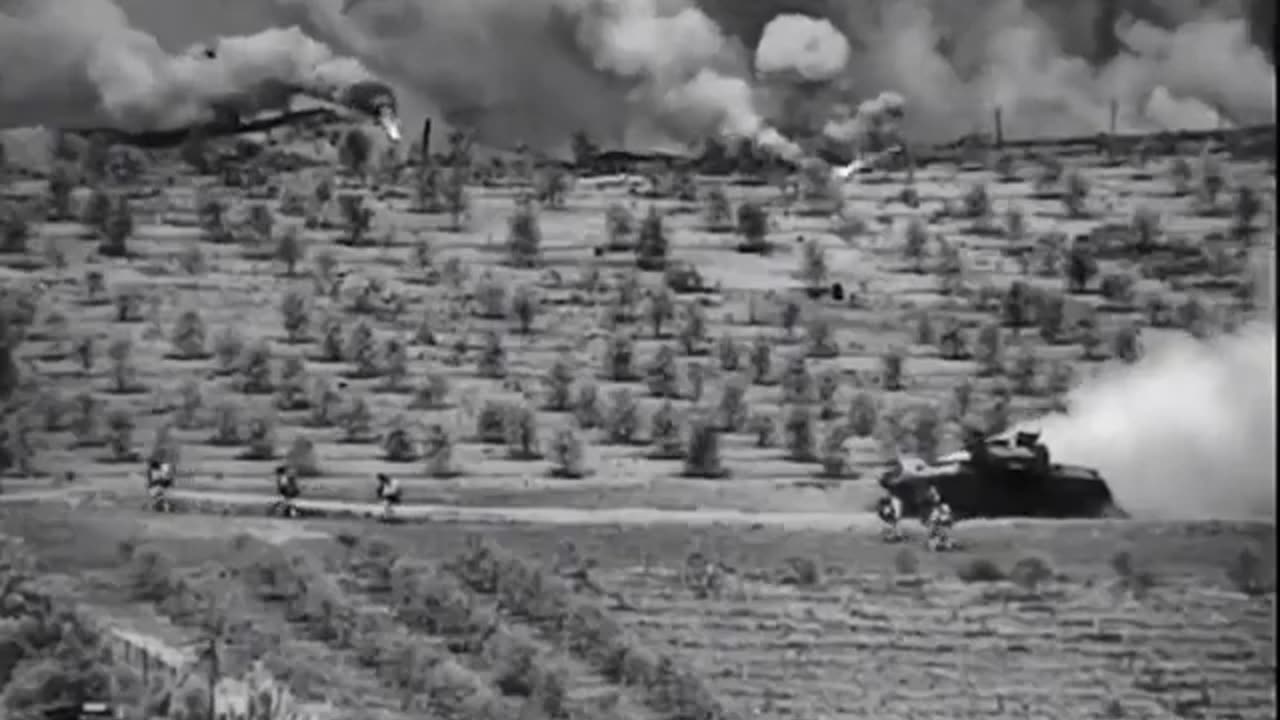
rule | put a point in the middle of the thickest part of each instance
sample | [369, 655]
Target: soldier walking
[939, 521]
[890, 511]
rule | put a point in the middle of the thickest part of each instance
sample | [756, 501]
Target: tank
[1002, 477]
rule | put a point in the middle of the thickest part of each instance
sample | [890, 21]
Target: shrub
[652, 244]
[760, 359]
[622, 418]
[226, 425]
[753, 226]
[432, 393]
[729, 353]
[798, 431]
[492, 361]
[662, 373]
[892, 370]
[524, 237]
[491, 422]
[188, 337]
[128, 304]
[834, 459]
[665, 433]
[732, 410]
[586, 406]
[296, 315]
[301, 457]
[863, 414]
[559, 382]
[1030, 573]
[703, 457]
[520, 428]
[619, 358]
[693, 330]
[438, 452]
[820, 337]
[567, 454]
[357, 421]
[399, 444]
[120, 427]
[256, 371]
[260, 438]
[980, 570]
[124, 374]
[659, 309]
[763, 428]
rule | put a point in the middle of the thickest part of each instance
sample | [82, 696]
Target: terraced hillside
[495, 358]
[1144, 621]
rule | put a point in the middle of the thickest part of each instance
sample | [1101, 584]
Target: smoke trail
[1190, 431]
[79, 63]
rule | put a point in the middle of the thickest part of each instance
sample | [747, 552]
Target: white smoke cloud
[1189, 432]
[810, 48]
[643, 72]
[79, 63]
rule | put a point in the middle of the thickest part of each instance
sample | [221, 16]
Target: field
[479, 348]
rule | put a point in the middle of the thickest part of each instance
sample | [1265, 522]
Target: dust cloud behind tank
[1003, 477]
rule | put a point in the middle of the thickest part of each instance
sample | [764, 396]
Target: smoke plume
[809, 49]
[629, 71]
[667, 72]
[1190, 431]
[79, 63]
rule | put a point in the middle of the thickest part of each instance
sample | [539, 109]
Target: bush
[524, 237]
[619, 358]
[665, 433]
[798, 431]
[357, 422]
[438, 453]
[520, 428]
[662, 373]
[567, 454]
[1030, 573]
[753, 226]
[622, 418]
[492, 361]
[399, 444]
[559, 382]
[301, 457]
[732, 409]
[491, 420]
[188, 337]
[980, 570]
[703, 458]
[652, 244]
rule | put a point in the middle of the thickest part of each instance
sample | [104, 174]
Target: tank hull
[1010, 492]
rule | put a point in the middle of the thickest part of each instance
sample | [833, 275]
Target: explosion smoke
[1189, 432]
[627, 71]
[663, 72]
[810, 49]
[79, 63]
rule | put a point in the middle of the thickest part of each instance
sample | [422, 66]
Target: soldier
[939, 521]
[389, 493]
[159, 482]
[288, 489]
[890, 511]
